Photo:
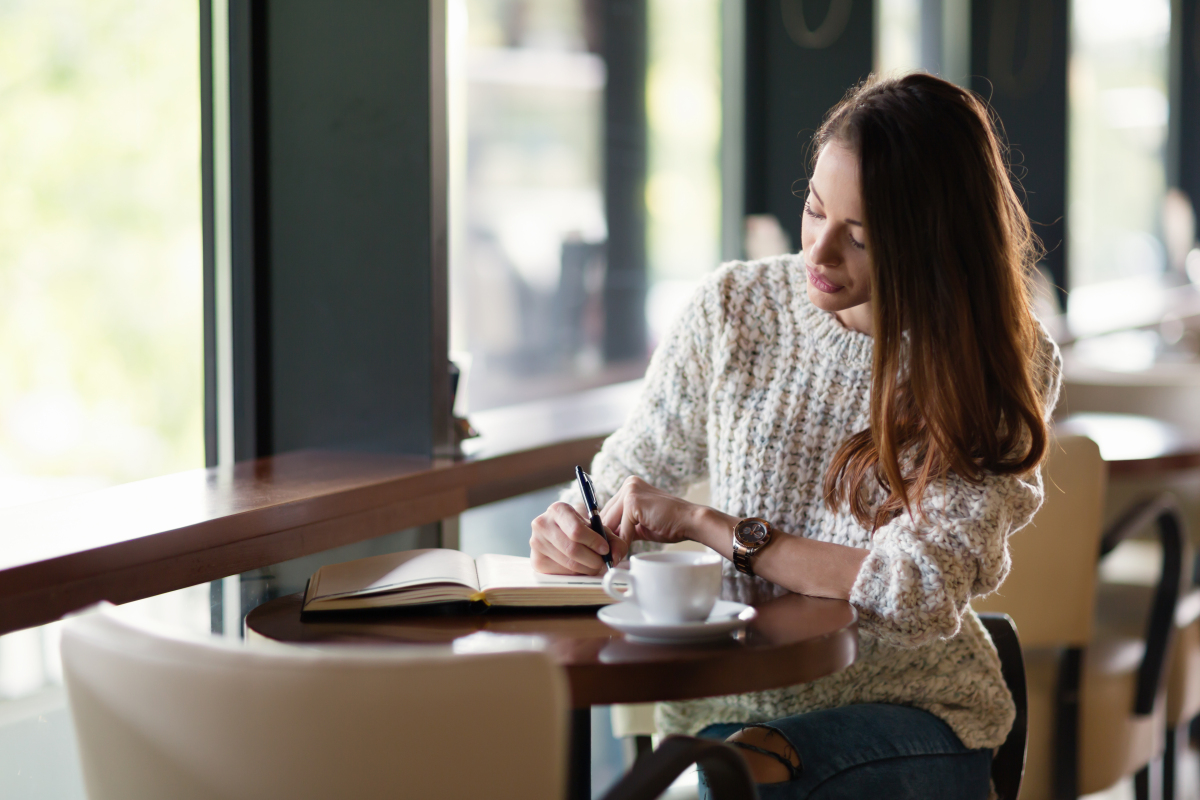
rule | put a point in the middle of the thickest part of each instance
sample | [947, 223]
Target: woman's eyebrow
[813, 189]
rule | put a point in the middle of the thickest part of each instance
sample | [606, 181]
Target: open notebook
[419, 577]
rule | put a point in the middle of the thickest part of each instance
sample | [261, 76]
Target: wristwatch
[749, 536]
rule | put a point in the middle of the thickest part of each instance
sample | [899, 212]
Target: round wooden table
[794, 639]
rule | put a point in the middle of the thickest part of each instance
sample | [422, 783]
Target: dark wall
[801, 57]
[1019, 62]
[1183, 168]
[623, 23]
[350, 252]
[337, 298]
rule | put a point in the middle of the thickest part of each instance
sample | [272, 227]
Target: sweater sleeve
[919, 577]
[922, 573]
[664, 440]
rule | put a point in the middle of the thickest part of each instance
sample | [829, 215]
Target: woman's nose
[824, 249]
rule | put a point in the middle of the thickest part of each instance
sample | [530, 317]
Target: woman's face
[835, 250]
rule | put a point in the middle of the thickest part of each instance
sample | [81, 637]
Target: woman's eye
[808, 210]
[858, 244]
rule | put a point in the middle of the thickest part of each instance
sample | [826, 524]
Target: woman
[881, 400]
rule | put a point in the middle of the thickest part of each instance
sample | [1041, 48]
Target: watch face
[752, 532]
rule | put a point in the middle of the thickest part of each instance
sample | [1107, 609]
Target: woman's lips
[819, 282]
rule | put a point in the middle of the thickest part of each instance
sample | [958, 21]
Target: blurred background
[100, 251]
[594, 179]
[529, 230]
[101, 332]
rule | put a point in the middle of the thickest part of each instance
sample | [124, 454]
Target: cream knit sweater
[756, 388]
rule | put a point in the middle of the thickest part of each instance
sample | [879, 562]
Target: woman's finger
[610, 517]
[578, 546]
[577, 529]
[627, 527]
[548, 540]
[539, 548]
[577, 561]
[618, 499]
[620, 548]
[546, 559]
[620, 518]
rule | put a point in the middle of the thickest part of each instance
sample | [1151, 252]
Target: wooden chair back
[1050, 593]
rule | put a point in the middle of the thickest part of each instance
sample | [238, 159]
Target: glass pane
[100, 247]
[527, 97]
[683, 185]
[38, 758]
[527, 221]
[101, 359]
[1118, 133]
[897, 36]
[504, 526]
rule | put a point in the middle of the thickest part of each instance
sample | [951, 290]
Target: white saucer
[726, 617]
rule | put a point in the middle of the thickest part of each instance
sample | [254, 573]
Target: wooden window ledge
[153, 536]
[145, 538]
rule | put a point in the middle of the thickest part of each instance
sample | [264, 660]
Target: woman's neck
[857, 318]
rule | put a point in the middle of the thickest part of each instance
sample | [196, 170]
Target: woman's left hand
[641, 511]
[799, 564]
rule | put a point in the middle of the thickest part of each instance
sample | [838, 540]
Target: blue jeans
[872, 750]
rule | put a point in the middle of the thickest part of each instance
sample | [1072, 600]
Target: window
[101, 354]
[1118, 135]
[1118, 107]
[897, 36]
[527, 171]
[683, 187]
[527, 223]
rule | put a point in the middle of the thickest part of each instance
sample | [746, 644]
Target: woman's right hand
[564, 544]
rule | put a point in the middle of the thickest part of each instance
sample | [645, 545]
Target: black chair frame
[1162, 512]
[1008, 764]
[725, 772]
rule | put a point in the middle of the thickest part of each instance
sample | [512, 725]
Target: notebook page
[393, 572]
[516, 572]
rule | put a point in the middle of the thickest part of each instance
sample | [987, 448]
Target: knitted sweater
[756, 388]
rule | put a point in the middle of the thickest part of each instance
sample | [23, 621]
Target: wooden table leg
[579, 769]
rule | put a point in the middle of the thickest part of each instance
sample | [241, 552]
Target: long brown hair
[956, 345]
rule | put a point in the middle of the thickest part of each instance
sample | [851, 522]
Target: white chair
[158, 716]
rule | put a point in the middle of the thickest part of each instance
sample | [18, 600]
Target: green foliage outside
[101, 349]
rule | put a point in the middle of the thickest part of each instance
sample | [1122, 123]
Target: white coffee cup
[669, 588]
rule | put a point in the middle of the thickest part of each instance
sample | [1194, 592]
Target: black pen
[589, 499]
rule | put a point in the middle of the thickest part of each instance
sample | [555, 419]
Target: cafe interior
[292, 283]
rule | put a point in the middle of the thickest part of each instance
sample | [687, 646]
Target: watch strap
[742, 558]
